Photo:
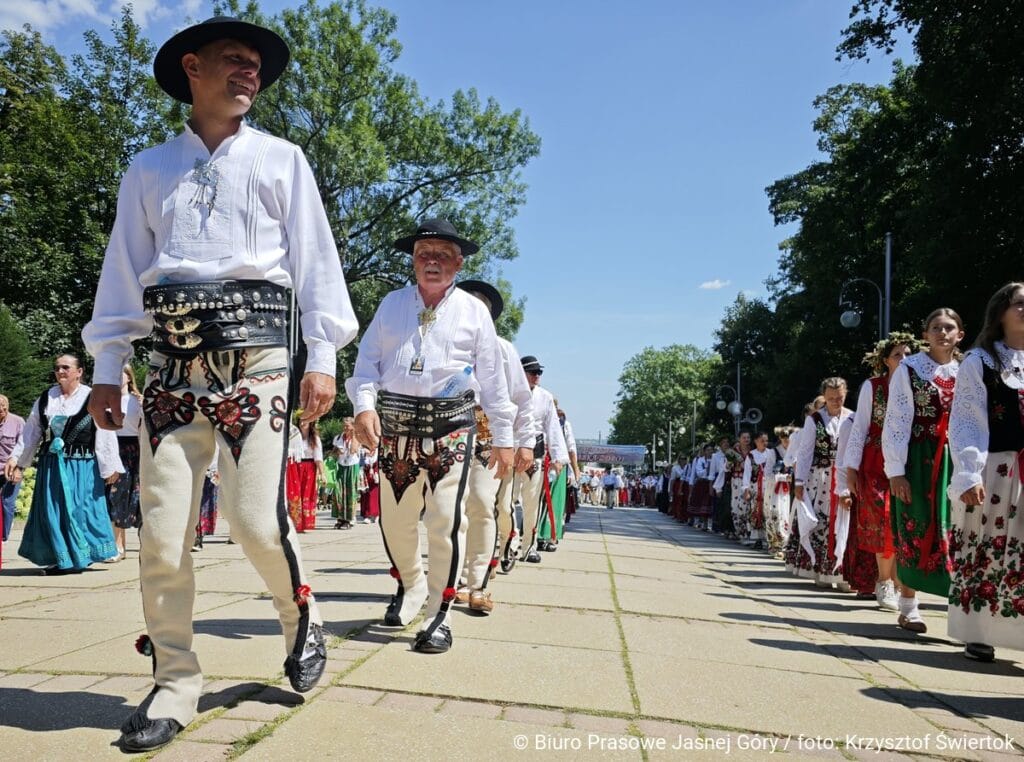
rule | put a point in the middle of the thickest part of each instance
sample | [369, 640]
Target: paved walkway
[638, 639]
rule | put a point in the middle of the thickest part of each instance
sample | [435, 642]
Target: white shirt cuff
[320, 358]
[107, 369]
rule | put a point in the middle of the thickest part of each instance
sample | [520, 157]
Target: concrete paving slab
[323, 732]
[765, 700]
[546, 595]
[714, 642]
[542, 675]
[12, 596]
[698, 603]
[39, 643]
[536, 624]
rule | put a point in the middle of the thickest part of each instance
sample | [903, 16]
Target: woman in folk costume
[348, 476]
[369, 499]
[700, 497]
[794, 553]
[916, 453]
[758, 467]
[68, 527]
[207, 523]
[871, 528]
[815, 480]
[123, 495]
[859, 567]
[986, 437]
[739, 506]
[776, 525]
[304, 472]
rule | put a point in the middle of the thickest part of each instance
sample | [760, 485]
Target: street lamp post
[735, 408]
[682, 430]
[850, 318]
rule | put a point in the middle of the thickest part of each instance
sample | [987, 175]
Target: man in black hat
[218, 231]
[488, 498]
[529, 490]
[427, 357]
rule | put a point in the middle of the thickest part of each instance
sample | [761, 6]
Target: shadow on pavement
[41, 711]
[1007, 707]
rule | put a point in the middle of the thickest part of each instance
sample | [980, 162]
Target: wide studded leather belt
[425, 417]
[538, 448]
[190, 318]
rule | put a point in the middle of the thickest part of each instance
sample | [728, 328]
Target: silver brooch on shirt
[206, 177]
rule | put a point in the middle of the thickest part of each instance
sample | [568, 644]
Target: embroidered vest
[755, 468]
[929, 405]
[825, 444]
[879, 400]
[79, 431]
[1005, 414]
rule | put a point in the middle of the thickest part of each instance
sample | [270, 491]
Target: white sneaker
[885, 594]
[367, 521]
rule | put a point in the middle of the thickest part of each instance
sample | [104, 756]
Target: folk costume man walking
[429, 354]
[529, 489]
[489, 501]
[215, 231]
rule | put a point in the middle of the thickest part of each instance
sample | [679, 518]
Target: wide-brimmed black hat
[531, 363]
[488, 292]
[436, 228]
[171, 77]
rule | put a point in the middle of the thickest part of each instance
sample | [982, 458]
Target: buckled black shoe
[391, 617]
[533, 557]
[305, 672]
[139, 733]
[437, 643]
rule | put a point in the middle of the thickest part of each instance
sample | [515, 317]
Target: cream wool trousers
[239, 399]
[430, 475]
[482, 513]
[528, 489]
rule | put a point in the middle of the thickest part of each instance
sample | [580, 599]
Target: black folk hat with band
[436, 229]
[170, 75]
[531, 364]
[488, 292]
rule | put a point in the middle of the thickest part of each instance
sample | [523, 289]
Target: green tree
[23, 376]
[658, 386]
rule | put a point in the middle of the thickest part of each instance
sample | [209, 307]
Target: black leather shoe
[533, 557]
[437, 643]
[305, 672]
[153, 735]
[391, 617]
[549, 547]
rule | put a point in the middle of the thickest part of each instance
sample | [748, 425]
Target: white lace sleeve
[842, 450]
[899, 417]
[746, 473]
[805, 450]
[968, 426]
[859, 431]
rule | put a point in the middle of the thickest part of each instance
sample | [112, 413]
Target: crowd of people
[919, 489]
[223, 255]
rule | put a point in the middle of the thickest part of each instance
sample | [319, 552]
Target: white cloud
[714, 285]
[47, 15]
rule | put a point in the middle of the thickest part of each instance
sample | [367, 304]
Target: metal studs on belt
[256, 296]
[236, 298]
[241, 314]
[243, 332]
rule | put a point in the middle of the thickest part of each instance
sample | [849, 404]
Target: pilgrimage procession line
[221, 251]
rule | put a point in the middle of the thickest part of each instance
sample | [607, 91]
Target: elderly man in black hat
[487, 498]
[427, 357]
[550, 452]
[218, 232]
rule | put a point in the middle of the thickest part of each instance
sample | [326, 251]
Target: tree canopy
[382, 154]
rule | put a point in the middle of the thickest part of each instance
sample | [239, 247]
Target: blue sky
[662, 122]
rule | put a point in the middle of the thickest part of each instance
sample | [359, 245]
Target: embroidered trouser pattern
[505, 512]
[236, 398]
[529, 489]
[430, 475]
[482, 516]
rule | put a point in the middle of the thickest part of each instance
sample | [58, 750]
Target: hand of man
[523, 459]
[798, 492]
[899, 488]
[368, 429]
[501, 461]
[316, 395]
[11, 471]
[112, 479]
[105, 406]
[974, 496]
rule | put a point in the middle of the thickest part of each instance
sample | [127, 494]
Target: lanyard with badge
[427, 317]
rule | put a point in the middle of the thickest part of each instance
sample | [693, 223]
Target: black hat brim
[407, 243]
[489, 292]
[274, 53]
